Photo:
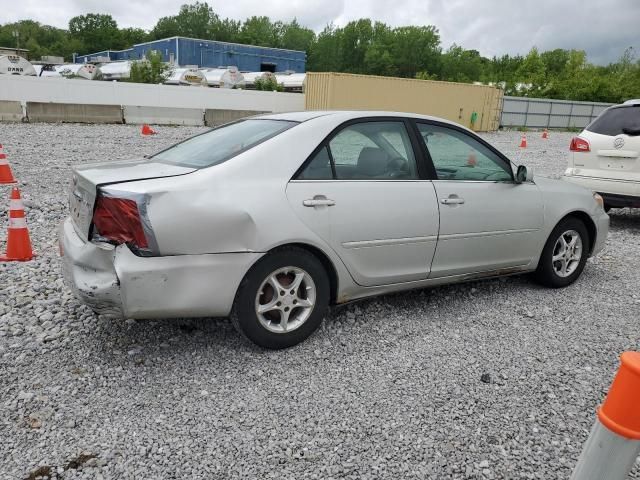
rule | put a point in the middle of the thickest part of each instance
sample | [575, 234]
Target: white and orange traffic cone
[545, 134]
[614, 443]
[6, 177]
[523, 141]
[18, 241]
[147, 130]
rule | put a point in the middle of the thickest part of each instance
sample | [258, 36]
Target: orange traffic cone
[545, 134]
[18, 241]
[523, 141]
[472, 161]
[5, 170]
[147, 130]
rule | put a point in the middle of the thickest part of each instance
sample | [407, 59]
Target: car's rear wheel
[564, 255]
[282, 299]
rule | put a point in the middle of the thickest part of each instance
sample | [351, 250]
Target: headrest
[372, 162]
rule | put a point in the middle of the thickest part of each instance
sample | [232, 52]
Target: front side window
[458, 156]
[223, 143]
[365, 151]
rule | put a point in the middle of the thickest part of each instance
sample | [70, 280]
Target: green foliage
[150, 70]
[360, 46]
[97, 32]
[268, 84]
[426, 76]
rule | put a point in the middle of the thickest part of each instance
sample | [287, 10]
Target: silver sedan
[272, 219]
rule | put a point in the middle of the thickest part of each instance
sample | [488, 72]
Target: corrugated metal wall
[208, 53]
[453, 101]
[547, 113]
[245, 57]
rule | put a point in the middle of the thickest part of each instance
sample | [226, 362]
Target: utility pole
[16, 34]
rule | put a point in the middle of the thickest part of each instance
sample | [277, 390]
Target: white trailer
[291, 82]
[15, 65]
[222, 77]
[251, 77]
[114, 71]
[185, 76]
[87, 71]
[46, 71]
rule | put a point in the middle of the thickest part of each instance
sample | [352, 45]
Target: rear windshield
[222, 143]
[616, 121]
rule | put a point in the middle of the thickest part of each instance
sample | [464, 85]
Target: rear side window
[222, 143]
[373, 150]
[616, 121]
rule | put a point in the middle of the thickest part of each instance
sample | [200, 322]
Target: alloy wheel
[567, 253]
[285, 299]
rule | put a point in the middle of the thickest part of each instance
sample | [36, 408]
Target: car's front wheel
[564, 255]
[282, 299]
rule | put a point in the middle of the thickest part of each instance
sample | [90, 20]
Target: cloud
[494, 27]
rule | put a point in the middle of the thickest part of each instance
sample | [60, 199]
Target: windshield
[617, 120]
[222, 143]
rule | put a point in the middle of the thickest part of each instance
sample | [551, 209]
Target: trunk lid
[615, 145]
[88, 177]
[616, 157]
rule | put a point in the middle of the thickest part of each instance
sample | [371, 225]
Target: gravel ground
[493, 379]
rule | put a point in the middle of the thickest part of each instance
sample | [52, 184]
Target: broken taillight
[117, 220]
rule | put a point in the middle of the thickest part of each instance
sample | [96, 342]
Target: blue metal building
[210, 53]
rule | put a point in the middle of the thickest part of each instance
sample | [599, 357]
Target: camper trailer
[291, 82]
[185, 76]
[87, 71]
[223, 77]
[251, 77]
[114, 71]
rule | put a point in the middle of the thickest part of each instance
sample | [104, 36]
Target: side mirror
[523, 175]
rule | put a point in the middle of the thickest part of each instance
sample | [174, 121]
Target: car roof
[345, 115]
[635, 101]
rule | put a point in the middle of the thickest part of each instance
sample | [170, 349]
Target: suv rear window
[616, 121]
[222, 143]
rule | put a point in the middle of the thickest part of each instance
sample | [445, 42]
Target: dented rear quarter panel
[239, 205]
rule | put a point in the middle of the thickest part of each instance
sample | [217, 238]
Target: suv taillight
[579, 145]
[117, 220]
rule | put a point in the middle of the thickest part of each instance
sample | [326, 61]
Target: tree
[460, 65]
[150, 70]
[532, 73]
[226, 30]
[416, 49]
[268, 84]
[323, 56]
[165, 27]
[132, 36]
[259, 31]
[96, 31]
[295, 37]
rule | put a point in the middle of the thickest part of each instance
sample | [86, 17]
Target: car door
[362, 192]
[487, 221]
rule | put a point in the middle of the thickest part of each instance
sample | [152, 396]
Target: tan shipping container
[454, 101]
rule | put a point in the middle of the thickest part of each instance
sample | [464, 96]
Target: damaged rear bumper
[113, 281]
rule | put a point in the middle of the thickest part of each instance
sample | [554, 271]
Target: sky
[604, 29]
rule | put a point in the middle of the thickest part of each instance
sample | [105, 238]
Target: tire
[550, 273]
[304, 309]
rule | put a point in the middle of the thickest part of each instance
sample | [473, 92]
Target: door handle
[452, 200]
[318, 202]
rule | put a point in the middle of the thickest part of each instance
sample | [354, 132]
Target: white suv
[605, 157]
